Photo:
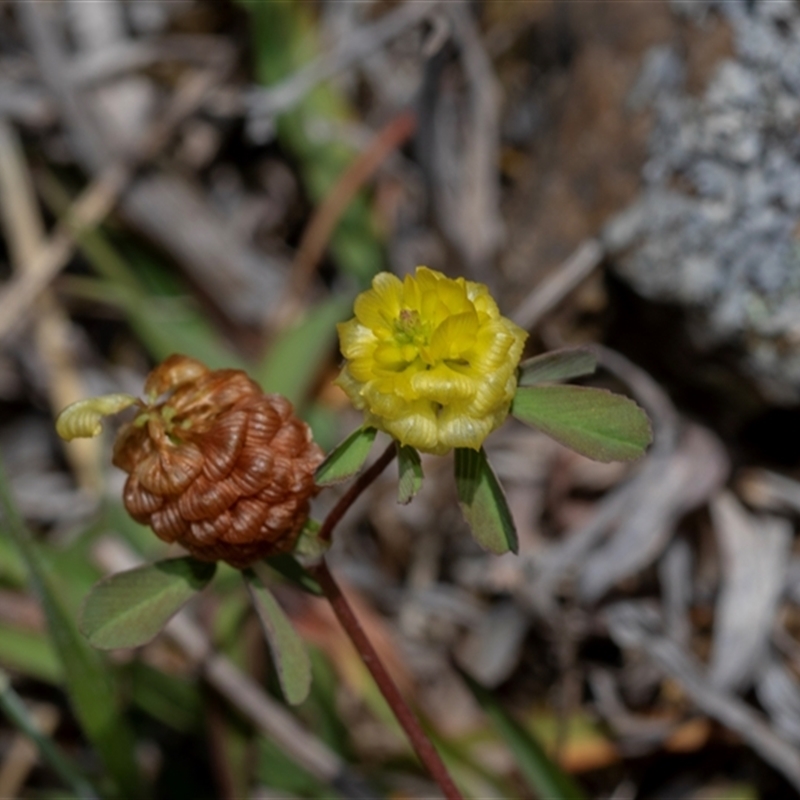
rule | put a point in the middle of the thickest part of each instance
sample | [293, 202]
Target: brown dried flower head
[216, 465]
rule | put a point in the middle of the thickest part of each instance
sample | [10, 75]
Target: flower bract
[430, 360]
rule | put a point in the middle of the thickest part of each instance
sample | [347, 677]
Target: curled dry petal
[85, 417]
[139, 502]
[172, 373]
[217, 465]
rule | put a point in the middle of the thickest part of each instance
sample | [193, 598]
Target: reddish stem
[348, 620]
[405, 716]
[352, 494]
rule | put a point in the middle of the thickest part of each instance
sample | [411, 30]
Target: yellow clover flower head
[430, 360]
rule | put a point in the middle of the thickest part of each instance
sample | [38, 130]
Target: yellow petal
[460, 430]
[355, 340]
[443, 385]
[392, 356]
[430, 360]
[380, 306]
[454, 337]
[416, 428]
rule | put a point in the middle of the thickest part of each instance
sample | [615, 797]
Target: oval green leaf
[593, 422]
[129, 608]
[410, 469]
[288, 650]
[483, 502]
[347, 458]
[560, 365]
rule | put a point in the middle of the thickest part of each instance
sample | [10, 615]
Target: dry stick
[93, 205]
[405, 716]
[556, 286]
[355, 46]
[24, 234]
[319, 231]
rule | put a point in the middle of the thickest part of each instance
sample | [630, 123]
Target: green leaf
[544, 777]
[288, 650]
[560, 365]
[347, 458]
[483, 502]
[410, 469]
[87, 679]
[129, 608]
[596, 423]
[288, 566]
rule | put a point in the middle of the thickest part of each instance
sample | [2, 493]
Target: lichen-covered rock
[717, 226]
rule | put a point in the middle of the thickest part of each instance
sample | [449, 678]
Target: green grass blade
[544, 777]
[483, 502]
[160, 314]
[129, 608]
[593, 422]
[28, 652]
[285, 37]
[14, 708]
[86, 678]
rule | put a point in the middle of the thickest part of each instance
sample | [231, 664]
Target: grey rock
[715, 227]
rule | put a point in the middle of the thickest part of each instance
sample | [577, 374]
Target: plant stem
[405, 716]
[353, 493]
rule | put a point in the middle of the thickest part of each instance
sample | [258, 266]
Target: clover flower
[430, 360]
[213, 462]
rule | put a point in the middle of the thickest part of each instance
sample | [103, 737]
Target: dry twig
[24, 233]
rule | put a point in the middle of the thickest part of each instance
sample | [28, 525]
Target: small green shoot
[544, 777]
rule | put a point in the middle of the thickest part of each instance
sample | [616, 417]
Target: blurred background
[220, 179]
